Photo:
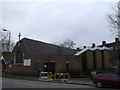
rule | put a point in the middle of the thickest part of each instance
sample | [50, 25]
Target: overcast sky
[83, 22]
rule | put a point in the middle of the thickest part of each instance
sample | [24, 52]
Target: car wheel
[99, 84]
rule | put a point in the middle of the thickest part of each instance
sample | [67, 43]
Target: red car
[107, 79]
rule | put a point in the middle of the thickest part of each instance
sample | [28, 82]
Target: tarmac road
[8, 83]
[0, 83]
[15, 83]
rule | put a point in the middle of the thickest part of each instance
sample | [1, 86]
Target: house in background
[115, 54]
[95, 58]
[101, 57]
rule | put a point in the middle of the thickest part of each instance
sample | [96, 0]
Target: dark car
[106, 79]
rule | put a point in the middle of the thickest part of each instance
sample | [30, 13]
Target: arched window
[19, 56]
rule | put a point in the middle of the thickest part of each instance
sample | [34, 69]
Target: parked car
[106, 79]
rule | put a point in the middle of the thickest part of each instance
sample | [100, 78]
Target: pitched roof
[38, 47]
[92, 49]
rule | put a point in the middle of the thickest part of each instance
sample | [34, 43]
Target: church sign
[27, 62]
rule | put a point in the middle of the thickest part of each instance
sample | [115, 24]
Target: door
[49, 67]
[52, 67]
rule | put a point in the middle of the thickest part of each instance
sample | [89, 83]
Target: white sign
[1, 58]
[27, 62]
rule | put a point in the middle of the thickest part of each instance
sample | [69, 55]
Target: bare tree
[67, 43]
[6, 47]
[5, 44]
[114, 20]
[0, 44]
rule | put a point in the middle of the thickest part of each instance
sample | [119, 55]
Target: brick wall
[107, 59]
[90, 60]
[98, 59]
[74, 62]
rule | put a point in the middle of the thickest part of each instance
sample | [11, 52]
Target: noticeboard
[27, 62]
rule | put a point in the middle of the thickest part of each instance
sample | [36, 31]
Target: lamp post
[67, 65]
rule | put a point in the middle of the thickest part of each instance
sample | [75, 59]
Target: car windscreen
[115, 76]
[105, 75]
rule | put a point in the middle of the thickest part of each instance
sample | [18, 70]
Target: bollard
[45, 76]
[49, 76]
[62, 77]
[67, 77]
[57, 77]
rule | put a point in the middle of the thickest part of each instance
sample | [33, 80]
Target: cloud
[0, 14]
[59, 0]
[84, 23]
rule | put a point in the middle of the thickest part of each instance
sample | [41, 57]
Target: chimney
[103, 43]
[78, 49]
[84, 47]
[116, 39]
[93, 45]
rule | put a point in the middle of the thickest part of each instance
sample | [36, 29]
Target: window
[106, 75]
[19, 56]
[115, 76]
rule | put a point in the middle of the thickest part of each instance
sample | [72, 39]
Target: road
[0, 83]
[15, 83]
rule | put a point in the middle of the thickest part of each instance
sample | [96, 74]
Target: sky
[83, 22]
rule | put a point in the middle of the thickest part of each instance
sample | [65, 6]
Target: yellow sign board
[10, 65]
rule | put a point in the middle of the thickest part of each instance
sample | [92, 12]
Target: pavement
[78, 81]
[82, 81]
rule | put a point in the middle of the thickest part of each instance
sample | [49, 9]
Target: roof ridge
[38, 41]
[46, 43]
[36, 46]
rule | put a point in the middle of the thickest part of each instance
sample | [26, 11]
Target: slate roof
[38, 47]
